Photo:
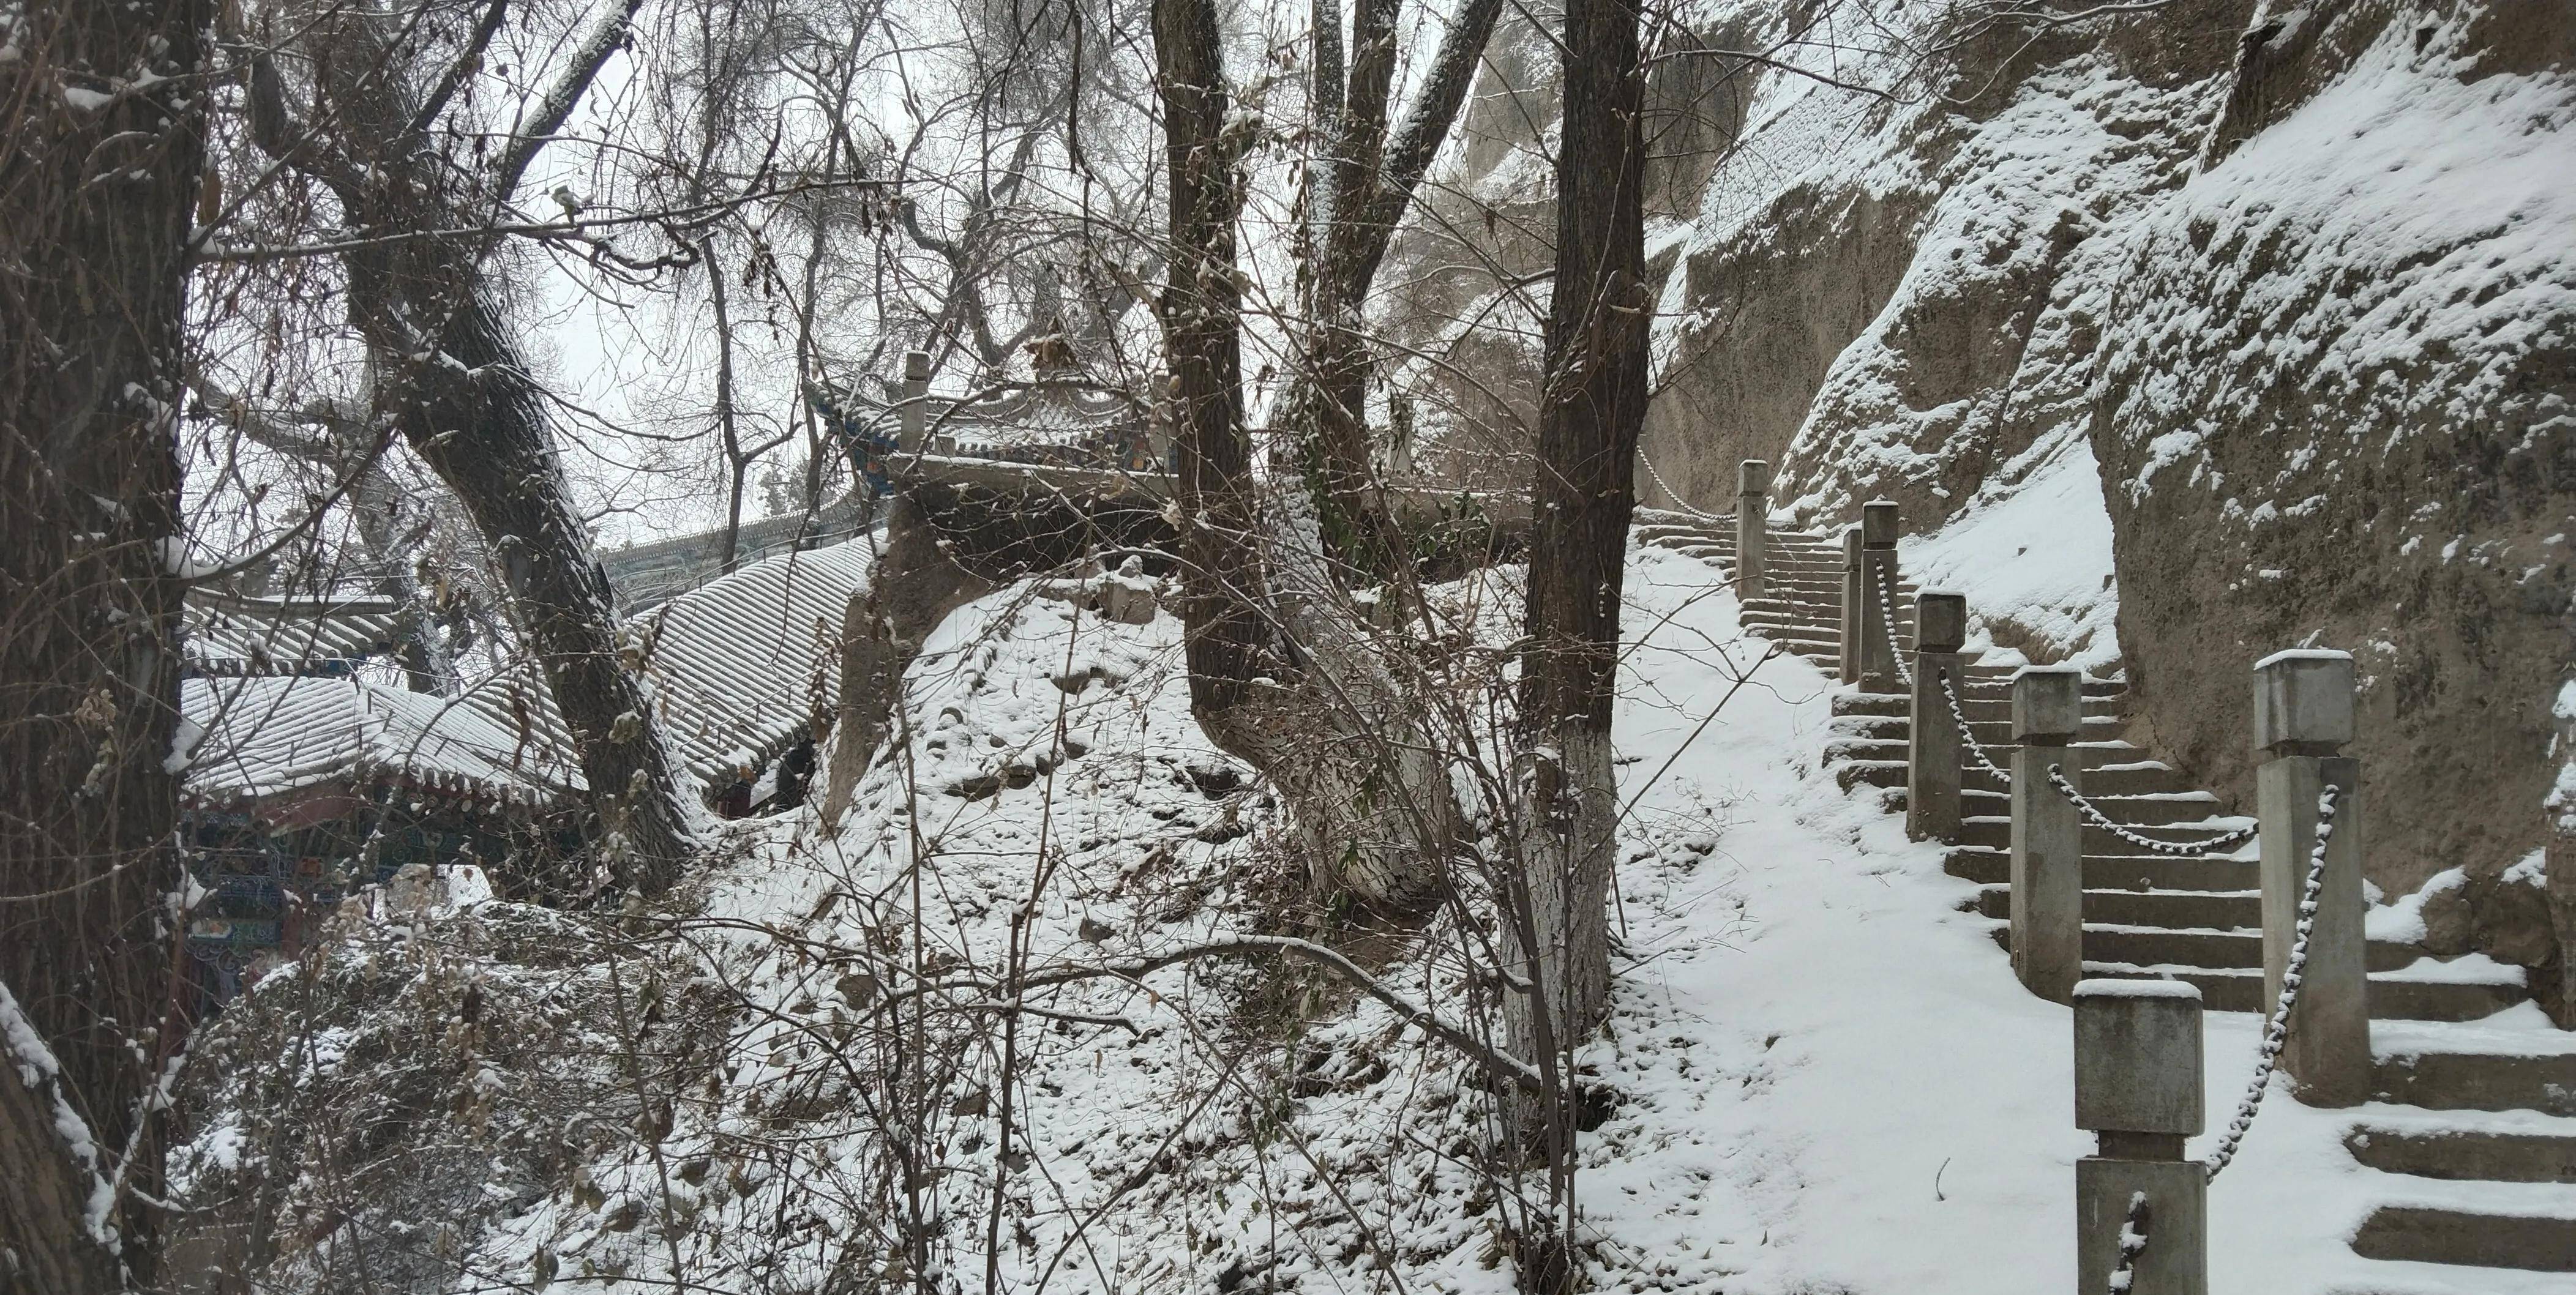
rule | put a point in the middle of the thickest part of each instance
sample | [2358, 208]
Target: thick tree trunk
[1594, 406]
[1364, 184]
[98, 177]
[374, 505]
[1222, 592]
[914, 585]
[480, 425]
[1283, 672]
[460, 395]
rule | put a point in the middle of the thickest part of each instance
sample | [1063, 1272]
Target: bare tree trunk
[461, 396]
[1283, 672]
[99, 174]
[914, 585]
[1581, 502]
[737, 464]
[1222, 590]
[480, 425]
[1367, 183]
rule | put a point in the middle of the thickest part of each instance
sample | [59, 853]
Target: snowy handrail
[1959, 715]
[2276, 1031]
[2180, 849]
[1670, 493]
[1887, 608]
[2133, 1243]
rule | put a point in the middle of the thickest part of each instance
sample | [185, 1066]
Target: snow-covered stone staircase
[2474, 1124]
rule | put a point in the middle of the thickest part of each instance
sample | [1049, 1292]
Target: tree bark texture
[1282, 673]
[98, 179]
[1364, 184]
[1222, 590]
[454, 386]
[914, 586]
[1593, 406]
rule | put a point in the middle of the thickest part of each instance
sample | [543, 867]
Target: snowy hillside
[1819, 1075]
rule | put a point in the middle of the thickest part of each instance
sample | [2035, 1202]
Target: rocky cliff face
[2282, 302]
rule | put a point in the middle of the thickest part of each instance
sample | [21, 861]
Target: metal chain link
[2057, 779]
[2277, 1030]
[1958, 714]
[2133, 1243]
[2194, 849]
[1675, 495]
[1887, 608]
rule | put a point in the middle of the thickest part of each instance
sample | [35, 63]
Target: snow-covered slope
[1826, 1077]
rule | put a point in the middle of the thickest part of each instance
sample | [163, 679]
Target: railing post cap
[1851, 545]
[1878, 521]
[1753, 477]
[2047, 703]
[2303, 700]
[2138, 1064]
[1940, 620]
[916, 366]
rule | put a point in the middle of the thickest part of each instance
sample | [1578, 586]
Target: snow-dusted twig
[2133, 1243]
[1500, 1064]
[2277, 1031]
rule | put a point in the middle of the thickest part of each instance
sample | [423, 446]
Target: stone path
[2474, 1126]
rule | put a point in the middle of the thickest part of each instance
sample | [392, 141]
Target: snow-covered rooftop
[738, 665]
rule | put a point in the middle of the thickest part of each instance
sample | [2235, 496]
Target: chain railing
[2133, 1243]
[1959, 716]
[2057, 778]
[2227, 840]
[2276, 1031]
[1675, 495]
[1887, 608]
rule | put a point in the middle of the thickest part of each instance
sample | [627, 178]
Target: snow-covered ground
[1827, 1078]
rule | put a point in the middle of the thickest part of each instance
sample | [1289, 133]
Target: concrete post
[1878, 645]
[2047, 835]
[1934, 749]
[916, 403]
[1752, 526]
[2138, 1089]
[2302, 717]
[1848, 660]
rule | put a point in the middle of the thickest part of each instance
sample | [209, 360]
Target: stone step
[2513, 1152]
[1995, 831]
[2446, 1234]
[2132, 778]
[2199, 950]
[2146, 946]
[1880, 744]
[2392, 998]
[1812, 591]
[2444, 1080]
[2108, 700]
[1993, 734]
[1765, 619]
[1823, 613]
[2209, 909]
[2107, 870]
[2132, 802]
[1990, 721]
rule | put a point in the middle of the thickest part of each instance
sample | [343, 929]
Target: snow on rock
[2032, 552]
[1820, 1074]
